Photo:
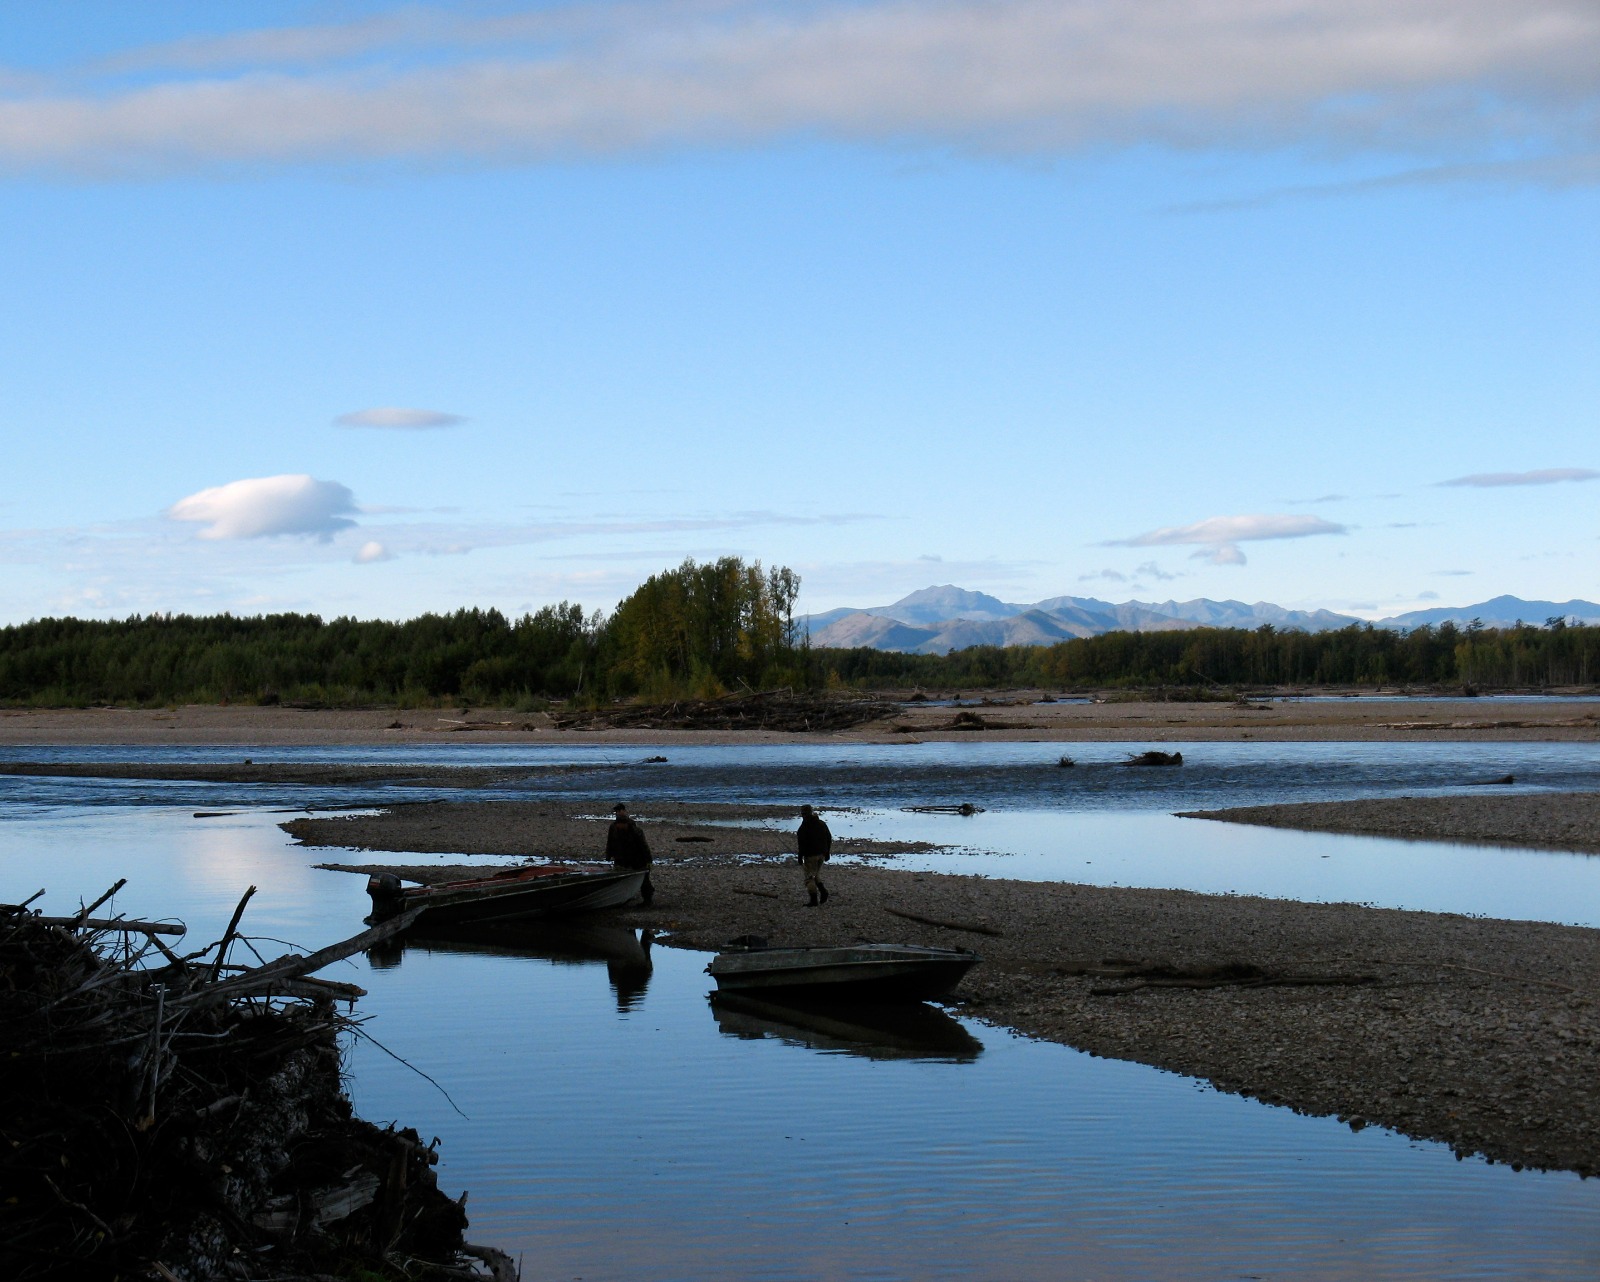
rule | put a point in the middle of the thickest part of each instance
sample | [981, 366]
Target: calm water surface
[618, 1126]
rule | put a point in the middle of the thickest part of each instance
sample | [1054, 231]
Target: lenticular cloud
[1219, 536]
[391, 416]
[265, 506]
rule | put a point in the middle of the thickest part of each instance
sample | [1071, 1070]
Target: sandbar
[1475, 1032]
[1013, 716]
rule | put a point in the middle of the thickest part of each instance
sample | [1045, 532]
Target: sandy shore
[1479, 1033]
[1547, 820]
[682, 833]
[1017, 717]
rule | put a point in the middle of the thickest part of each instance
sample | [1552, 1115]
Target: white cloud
[372, 551]
[1468, 80]
[265, 506]
[1150, 570]
[403, 419]
[1221, 535]
[1222, 554]
[1544, 476]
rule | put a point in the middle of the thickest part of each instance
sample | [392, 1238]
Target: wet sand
[575, 831]
[1479, 1033]
[1012, 716]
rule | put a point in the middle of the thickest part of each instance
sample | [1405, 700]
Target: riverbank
[1009, 716]
[1544, 820]
[1478, 1033]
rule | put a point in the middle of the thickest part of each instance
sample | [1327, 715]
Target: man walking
[627, 848]
[815, 843]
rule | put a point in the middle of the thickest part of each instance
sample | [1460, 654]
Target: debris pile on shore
[781, 710]
[173, 1116]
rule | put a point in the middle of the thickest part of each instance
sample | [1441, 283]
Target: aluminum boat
[517, 894]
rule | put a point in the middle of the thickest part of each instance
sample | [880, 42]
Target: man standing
[815, 843]
[627, 848]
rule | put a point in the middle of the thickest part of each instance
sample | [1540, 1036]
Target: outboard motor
[387, 894]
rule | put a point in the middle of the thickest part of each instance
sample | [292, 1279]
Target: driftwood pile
[780, 710]
[173, 1116]
[1155, 758]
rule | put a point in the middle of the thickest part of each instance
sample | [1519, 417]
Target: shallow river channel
[610, 1122]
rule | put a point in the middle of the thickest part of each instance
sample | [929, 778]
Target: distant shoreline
[1013, 716]
[1497, 817]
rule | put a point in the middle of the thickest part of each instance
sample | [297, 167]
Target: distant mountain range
[937, 620]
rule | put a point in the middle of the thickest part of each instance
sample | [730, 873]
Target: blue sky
[356, 308]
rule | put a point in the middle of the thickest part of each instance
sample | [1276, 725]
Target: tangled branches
[175, 1116]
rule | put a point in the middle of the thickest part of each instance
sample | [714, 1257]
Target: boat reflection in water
[625, 952]
[887, 1030]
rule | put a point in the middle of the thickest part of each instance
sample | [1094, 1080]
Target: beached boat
[855, 972]
[517, 894]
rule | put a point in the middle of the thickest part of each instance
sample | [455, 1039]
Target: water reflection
[625, 952]
[890, 1030]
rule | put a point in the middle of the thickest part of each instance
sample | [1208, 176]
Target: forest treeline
[1237, 658]
[700, 629]
[704, 629]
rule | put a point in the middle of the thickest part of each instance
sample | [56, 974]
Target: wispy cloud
[267, 506]
[371, 552]
[1223, 534]
[1544, 476]
[396, 418]
[1580, 168]
[1148, 571]
[1467, 82]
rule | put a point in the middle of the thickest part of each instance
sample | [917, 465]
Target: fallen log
[113, 925]
[260, 980]
[973, 928]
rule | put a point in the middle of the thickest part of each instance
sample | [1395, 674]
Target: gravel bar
[1548, 820]
[1479, 1033]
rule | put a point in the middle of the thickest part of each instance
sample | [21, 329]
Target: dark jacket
[626, 846]
[814, 838]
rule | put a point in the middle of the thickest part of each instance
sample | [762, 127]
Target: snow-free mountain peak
[936, 620]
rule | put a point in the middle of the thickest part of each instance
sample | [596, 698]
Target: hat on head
[618, 808]
[805, 810]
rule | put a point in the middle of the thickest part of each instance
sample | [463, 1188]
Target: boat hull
[525, 898]
[867, 972]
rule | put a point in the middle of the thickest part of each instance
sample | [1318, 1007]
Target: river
[610, 1122]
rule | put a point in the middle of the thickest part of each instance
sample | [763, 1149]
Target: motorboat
[871, 972]
[516, 894]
